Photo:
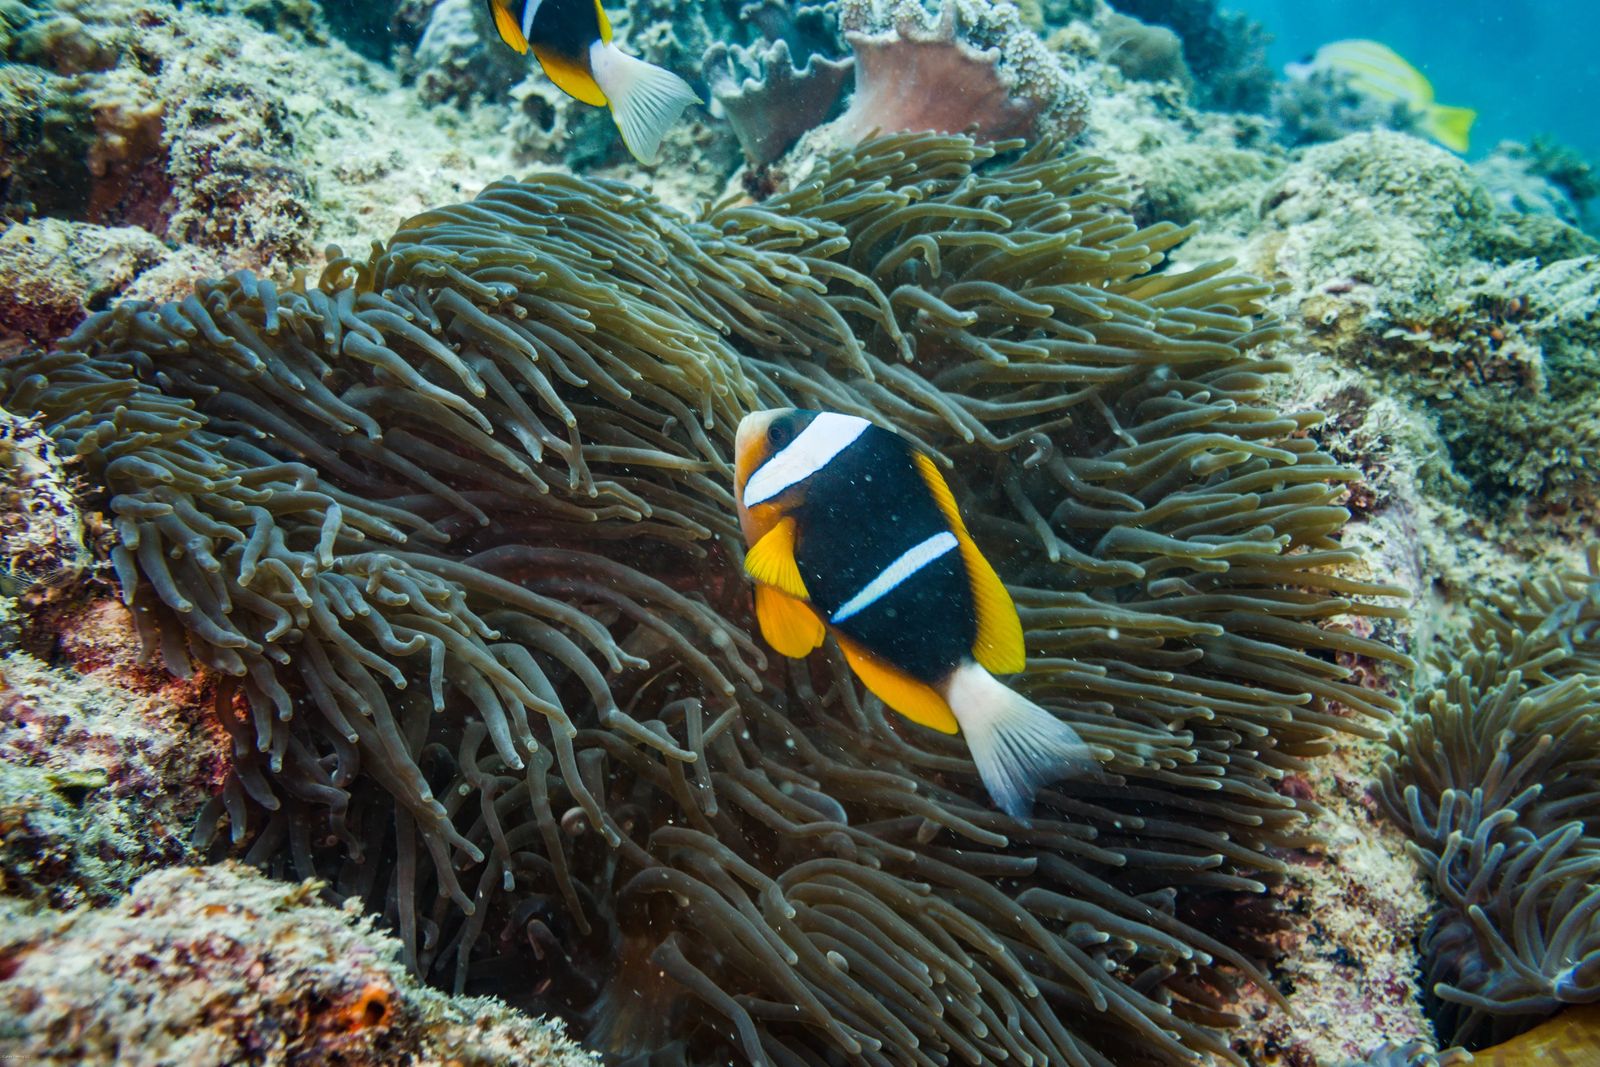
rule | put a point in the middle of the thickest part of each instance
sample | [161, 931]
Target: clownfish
[572, 41]
[852, 531]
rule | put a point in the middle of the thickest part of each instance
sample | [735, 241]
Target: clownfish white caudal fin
[1017, 745]
[645, 99]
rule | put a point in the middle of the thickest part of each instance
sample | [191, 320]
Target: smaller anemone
[1495, 777]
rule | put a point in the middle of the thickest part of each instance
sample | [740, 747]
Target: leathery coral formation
[452, 525]
[1494, 780]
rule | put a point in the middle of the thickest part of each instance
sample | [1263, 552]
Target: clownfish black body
[852, 531]
[571, 39]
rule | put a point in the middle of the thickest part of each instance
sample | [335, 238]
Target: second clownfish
[572, 41]
[852, 531]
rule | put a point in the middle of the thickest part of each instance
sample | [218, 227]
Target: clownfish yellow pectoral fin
[790, 626]
[771, 561]
[506, 23]
[571, 76]
[999, 646]
[917, 701]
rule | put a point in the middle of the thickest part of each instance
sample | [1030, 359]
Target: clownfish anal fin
[999, 646]
[917, 701]
[771, 561]
[789, 625]
[506, 23]
[570, 76]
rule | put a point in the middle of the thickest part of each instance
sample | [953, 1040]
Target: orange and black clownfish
[572, 41]
[853, 531]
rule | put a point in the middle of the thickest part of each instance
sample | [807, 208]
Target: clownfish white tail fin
[1017, 745]
[645, 99]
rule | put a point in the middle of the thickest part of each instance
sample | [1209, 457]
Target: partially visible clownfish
[572, 41]
[852, 531]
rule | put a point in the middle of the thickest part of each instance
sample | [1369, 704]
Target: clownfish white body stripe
[854, 533]
[888, 580]
[571, 39]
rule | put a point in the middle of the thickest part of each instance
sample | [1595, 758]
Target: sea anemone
[453, 524]
[1494, 779]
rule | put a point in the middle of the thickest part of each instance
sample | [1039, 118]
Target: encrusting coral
[1494, 779]
[452, 526]
[222, 965]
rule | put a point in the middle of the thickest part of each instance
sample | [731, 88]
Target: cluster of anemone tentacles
[454, 526]
[1496, 780]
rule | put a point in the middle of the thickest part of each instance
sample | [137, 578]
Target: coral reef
[456, 58]
[41, 529]
[1412, 1054]
[1141, 51]
[1323, 106]
[234, 128]
[769, 101]
[1398, 263]
[1493, 778]
[406, 515]
[221, 965]
[53, 273]
[1348, 959]
[1544, 178]
[1225, 51]
[101, 773]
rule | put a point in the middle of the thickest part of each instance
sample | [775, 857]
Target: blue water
[1527, 66]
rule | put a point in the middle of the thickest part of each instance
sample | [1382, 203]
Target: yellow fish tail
[1449, 125]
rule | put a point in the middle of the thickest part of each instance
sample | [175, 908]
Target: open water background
[1527, 66]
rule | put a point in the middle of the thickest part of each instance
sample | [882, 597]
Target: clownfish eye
[780, 433]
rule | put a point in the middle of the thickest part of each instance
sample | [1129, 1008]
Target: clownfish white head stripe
[828, 435]
[853, 532]
[910, 562]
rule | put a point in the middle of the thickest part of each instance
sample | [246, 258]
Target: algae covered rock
[54, 273]
[1399, 264]
[200, 965]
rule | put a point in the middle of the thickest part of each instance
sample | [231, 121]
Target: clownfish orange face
[768, 435]
[853, 532]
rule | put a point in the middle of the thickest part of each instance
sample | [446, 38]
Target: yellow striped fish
[1378, 71]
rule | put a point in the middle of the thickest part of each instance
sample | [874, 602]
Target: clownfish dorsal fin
[789, 625]
[506, 24]
[605, 23]
[917, 701]
[999, 646]
[771, 561]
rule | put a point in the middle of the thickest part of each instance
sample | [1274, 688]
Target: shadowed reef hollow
[453, 525]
